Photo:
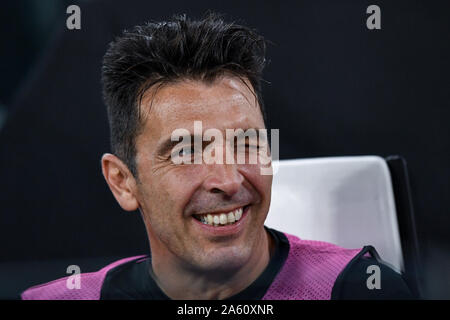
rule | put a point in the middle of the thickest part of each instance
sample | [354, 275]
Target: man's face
[173, 196]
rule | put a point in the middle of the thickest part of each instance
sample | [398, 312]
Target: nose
[223, 178]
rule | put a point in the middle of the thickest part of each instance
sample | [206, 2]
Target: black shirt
[132, 280]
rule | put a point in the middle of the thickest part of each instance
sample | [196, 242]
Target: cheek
[176, 186]
[261, 183]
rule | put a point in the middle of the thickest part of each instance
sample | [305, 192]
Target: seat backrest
[347, 201]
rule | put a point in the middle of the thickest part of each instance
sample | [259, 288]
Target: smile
[221, 219]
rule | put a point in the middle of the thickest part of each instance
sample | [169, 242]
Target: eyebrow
[167, 145]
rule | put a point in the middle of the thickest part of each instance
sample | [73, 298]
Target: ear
[120, 181]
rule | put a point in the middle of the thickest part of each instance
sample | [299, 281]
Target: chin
[225, 259]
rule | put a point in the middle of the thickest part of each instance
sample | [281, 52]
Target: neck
[179, 282]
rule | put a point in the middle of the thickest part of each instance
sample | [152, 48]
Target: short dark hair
[164, 52]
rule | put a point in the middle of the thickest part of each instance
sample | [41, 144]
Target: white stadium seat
[348, 201]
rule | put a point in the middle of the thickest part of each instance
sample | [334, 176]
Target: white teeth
[238, 214]
[222, 218]
[230, 217]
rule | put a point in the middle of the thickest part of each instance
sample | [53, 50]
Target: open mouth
[221, 219]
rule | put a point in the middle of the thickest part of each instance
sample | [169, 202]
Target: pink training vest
[308, 273]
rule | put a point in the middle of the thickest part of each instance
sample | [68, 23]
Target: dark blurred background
[336, 88]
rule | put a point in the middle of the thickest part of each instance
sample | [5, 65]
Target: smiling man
[204, 220]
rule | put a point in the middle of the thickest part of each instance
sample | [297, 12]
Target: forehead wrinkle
[182, 103]
[195, 92]
[185, 112]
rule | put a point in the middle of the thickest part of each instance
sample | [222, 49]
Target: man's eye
[186, 151]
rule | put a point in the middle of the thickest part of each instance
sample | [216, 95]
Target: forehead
[225, 103]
